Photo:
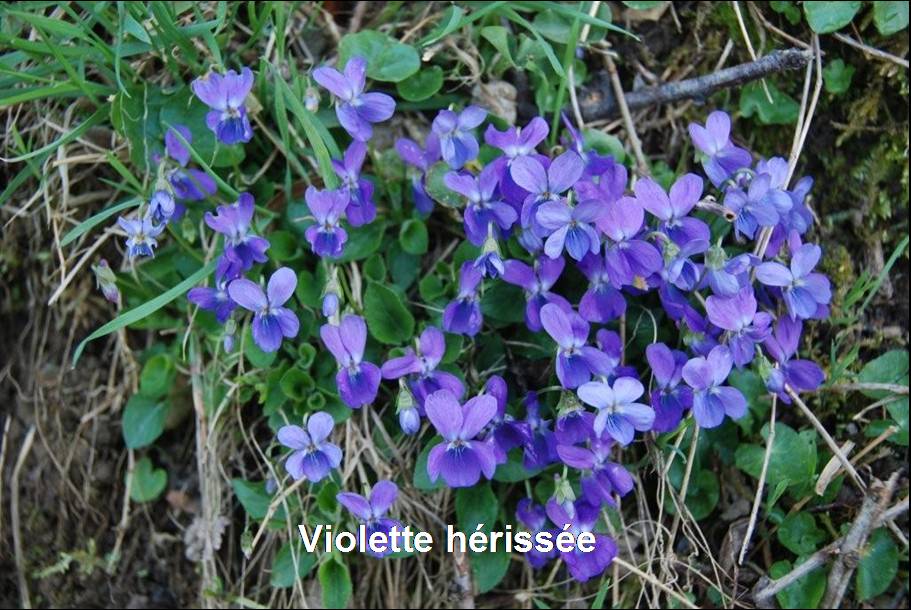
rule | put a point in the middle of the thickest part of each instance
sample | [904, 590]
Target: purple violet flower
[174, 148]
[242, 248]
[518, 142]
[361, 210]
[601, 477]
[225, 95]
[215, 299]
[536, 283]
[672, 208]
[541, 448]
[570, 227]
[601, 302]
[712, 400]
[799, 375]
[544, 185]
[357, 380]
[758, 207]
[458, 145]
[463, 316]
[504, 430]
[141, 234]
[161, 206]
[420, 366]
[582, 517]
[738, 316]
[618, 414]
[372, 512]
[355, 109]
[576, 361]
[804, 291]
[726, 277]
[629, 260]
[422, 159]
[312, 455]
[721, 157]
[460, 459]
[534, 518]
[670, 398]
[271, 320]
[326, 236]
[484, 207]
[679, 270]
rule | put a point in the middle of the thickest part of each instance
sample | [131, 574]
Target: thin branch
[595, 104]
[872, 50]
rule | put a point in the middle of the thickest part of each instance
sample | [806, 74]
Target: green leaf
[806, 592]
[891, 367]
[336, 583]
[388, 320]
[828, 17]
[502, 301]
[148, 481]
[788, 9]
[898, 411]
[643, 6]
[489, 568]
[157, 376]
[297, 384]
[255, 356]
[476, 505]
[413, 236]
[837, 76]
[799, 533]
[498, 36]
[375, 268]
[421, 85]
[387, 59]
[890, 17]
[513, 470]
[147, 308]
[782, 110]
[878, 565]
[437, 189]
[143, 421]
[363, 241]
[256, 501]
[283, 572]
[793, 458]
[451, 21]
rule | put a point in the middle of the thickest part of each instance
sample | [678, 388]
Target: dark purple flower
[574, 424]
[670, 398]
[489, 263]
[457, 142]
[355, 109]
[712, 400]
[141, 234]
[679, 269]
[536, 283]
[800, 375]
[173, 145]
[570, 227]
[422, 159]
[582, 517]
[357, 380]
[534, 518]
[544, 185]
[518, 142]
[233, 221]
[726, 277]
[460, 459]
[326, 235]
[759, 206]
[672, 208]
[504, 430]
[215, 299]
[576, 361]
[329, 306]
[607, 185]
[161, 206]
[463, 316]
[372, 512]
[738, 316]
[595, 164]
[541, 448]
[484, 208]
[601, 477]
[721, 158]
[361, 210]
[312, 455]
[225, 95]
[804, 291]
[421, 367]
[618, 414]
[191, 184]
[629, 260]
[601, 302]
[271, 321]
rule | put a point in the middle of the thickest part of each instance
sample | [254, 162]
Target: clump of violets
[226, 95]
[312, 455]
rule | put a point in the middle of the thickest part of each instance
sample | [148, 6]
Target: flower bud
[107, 281]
